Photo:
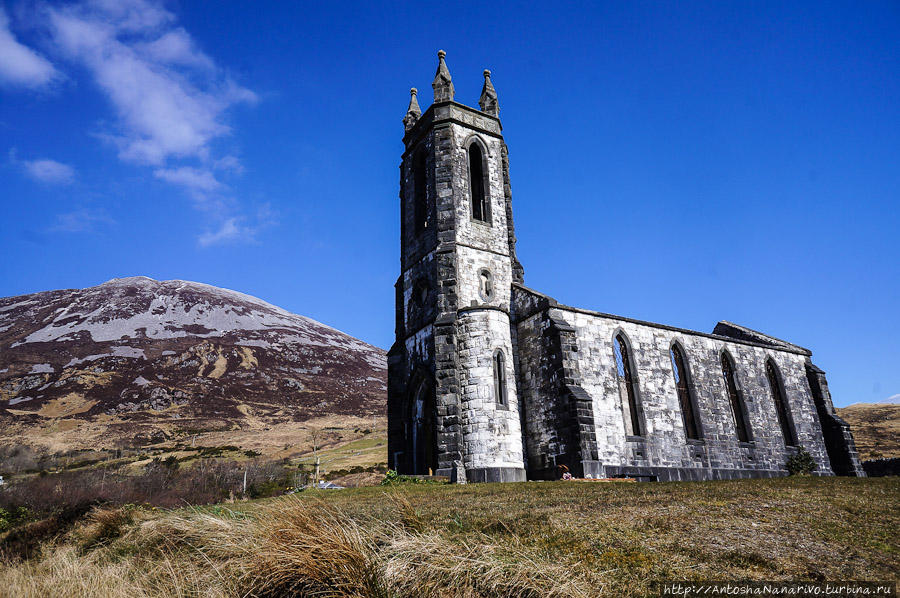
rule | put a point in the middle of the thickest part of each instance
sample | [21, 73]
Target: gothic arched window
[500, 378]
[627, 387]
[737, 403]
[480, 210]
[784, 418]
[420, 186]
[688, 414]
[486, 284]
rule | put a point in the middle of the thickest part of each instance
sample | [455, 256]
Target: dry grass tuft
[103, 525]
[316, 550]
[518, 540]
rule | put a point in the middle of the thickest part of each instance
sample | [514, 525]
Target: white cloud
[48, 171]
[81, 221]
[234, 230]
[229, 231]
[166, 108]
[194, 179]
[229, 163]
[170, 100]
[176, 47]
[20, 65]
[893, 400]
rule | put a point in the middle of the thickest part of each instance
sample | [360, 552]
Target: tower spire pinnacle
[443, 84]
[413, 112]
[488, 99]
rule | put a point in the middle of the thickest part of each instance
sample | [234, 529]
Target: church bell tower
[452, 400]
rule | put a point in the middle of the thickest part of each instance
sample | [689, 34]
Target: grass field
[876, 429]
[532, 539]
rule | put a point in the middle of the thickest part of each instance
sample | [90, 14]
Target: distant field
[876, 429]
[532, 539]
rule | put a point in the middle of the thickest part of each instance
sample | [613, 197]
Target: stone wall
[664, 443]
[490, 431]
[447, 325]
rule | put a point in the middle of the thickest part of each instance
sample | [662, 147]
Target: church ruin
[498, 382]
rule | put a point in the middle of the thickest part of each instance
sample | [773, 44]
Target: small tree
[317, 438]
[801, 463]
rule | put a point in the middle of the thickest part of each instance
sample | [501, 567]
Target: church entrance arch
[423, 438]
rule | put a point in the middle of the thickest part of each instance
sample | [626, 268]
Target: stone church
[491, 380]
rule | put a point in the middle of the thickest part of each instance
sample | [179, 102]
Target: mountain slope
[875, 427]
[135, 359]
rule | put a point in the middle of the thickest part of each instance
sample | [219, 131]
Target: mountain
[892, 400]
[875, 427]
[135, 360]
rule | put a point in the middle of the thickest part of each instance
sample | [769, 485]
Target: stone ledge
[496, 474]
[681, 474]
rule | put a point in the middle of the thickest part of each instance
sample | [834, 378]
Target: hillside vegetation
[532, 539]
[876, 429]
[136, 365]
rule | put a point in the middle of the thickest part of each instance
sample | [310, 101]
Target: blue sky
[675, 162]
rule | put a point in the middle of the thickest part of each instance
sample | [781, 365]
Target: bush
[25, 541]
[13, 517]
[162, 483]
[801, 463]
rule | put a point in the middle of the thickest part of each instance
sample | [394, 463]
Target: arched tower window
[480, 210]
[737, 403]
[627, 387]
[787, 430]
[486, 284]
[500, 378]
[691, 425]
[420, 186]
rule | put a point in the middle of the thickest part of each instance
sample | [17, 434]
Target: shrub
[25, 541]
[161, 483]
[13, 517]
[801, 463]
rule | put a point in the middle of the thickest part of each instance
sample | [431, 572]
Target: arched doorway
[423, 440]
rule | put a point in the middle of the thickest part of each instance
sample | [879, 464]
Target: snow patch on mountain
[135, 344]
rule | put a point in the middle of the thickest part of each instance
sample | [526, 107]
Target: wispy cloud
[177, 48]
[234, 230]
[20, 66]
[230, 163]
[168, 96]
[81, 221]
[228, 232]
[49, 171]
[193, 179]
[44, 170]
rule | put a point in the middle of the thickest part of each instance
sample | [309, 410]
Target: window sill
[635, 439]
[696, 441]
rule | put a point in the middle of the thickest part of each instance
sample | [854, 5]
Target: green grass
[531, 539]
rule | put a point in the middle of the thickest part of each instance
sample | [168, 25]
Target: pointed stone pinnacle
[443, 84]
[413, 112]
[488, 99]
